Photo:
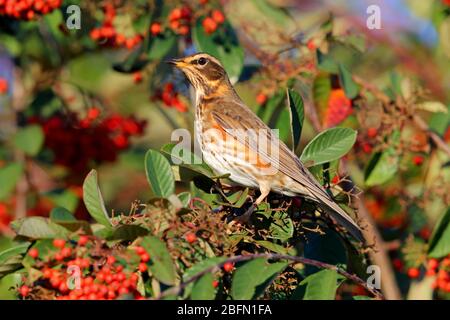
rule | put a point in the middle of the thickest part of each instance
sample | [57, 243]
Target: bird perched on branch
[234, 141]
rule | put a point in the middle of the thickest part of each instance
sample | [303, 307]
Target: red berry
[110, 260]
[140, 250]
[191, 237]
[366, 147]
[209, 25]
[83, 240]
[413, 273]
[311, 45]
[3, 86]
[433, 264]
[34, 253]
[175, 14]
[137, 77]
[228, 267]
[335, 179]
[142, 267]
[66, 252]
[93, 113]
[155, 28]
[261, 98]
[418, 160]
[218, 16]
[24, 291]
[145, 257]
[372, 132]
[59, 243]
[215, 283]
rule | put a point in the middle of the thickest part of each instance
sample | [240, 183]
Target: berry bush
[94, 204]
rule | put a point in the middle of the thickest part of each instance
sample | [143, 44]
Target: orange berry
[155, 28]
[34, 253]
[261, 98]
[137, 77]
[218, 16]
[372, 132]
[24, 291]
[209, 25]
[228, 267]
[175, 14]
[142, 267]
[59, 243]
[413, 273]
[191, 237]
[433, 264]
[83, 240]
[3, 86]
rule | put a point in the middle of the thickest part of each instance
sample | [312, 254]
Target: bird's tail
[341, 217]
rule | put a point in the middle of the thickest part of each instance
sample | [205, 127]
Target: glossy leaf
[329, 145]
[321, 285]
[159, 174]
[251, 274]
[439, 246]
[93, 199]
[203, 288]
[161, 264]
[350, 87]
[297, 116]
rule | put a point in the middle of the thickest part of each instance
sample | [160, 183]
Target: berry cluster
[102, 276]
[180, 20]
[339, 108]
[212, 22]
[27, 9]
[171, 98]
[107, 35]
[440, 269]
[99, 139]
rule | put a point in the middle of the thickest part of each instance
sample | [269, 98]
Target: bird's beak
[179, 63]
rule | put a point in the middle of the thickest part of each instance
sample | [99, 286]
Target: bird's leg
[265, 190]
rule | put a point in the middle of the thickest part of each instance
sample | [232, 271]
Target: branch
[240, 258]
[441, 144]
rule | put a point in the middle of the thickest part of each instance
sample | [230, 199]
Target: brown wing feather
[224, 113]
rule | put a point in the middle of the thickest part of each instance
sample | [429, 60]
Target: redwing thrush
[234, 141]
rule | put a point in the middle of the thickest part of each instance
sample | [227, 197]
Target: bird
[234, 141]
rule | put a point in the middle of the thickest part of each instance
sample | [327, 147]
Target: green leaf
[127, 232]
[329, 145]
[93, 199]
[29, 139]
[350, 87]
[11, 259]
[439, 246]
[251, 274]
[161, 45]
[319, 286]
[161, 264]
[297, 115]
[326, 62]
[9, 176]
[222, 44]
[203, 289]
[273, 13]
[382, 167]
[159, 174]
[59, 214]
[38, 228]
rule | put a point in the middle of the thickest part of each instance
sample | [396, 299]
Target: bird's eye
[202, 61]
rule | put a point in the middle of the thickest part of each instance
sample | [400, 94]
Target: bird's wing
[234, 117]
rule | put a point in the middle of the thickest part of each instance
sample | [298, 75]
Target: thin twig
[176, 290]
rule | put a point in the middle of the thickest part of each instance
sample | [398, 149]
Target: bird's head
[204, 72]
